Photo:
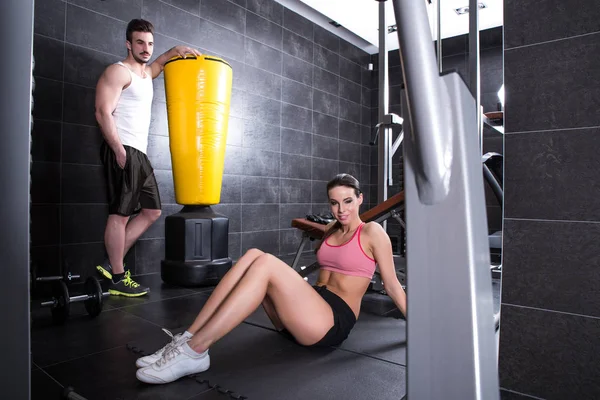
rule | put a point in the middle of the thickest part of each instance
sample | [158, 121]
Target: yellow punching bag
[198, 94]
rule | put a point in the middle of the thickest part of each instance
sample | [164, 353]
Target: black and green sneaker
[105, 269]
[127, 287]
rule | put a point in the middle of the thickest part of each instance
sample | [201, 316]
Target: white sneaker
[152, 358]
[176, 362]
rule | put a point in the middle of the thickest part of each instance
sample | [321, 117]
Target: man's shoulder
[117, 73]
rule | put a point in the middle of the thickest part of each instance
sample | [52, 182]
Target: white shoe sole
[152, 379]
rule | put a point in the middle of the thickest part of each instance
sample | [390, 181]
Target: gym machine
[451, 350]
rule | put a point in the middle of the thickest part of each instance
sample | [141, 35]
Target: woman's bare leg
[225, 286]
[270, 276]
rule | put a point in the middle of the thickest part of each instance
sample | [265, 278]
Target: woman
[348, 255]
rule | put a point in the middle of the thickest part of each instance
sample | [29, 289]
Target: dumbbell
[66, 276]
[61, 301]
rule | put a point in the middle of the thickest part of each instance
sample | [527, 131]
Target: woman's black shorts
[343, 319]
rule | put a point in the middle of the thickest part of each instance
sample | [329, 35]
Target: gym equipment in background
[198, 94]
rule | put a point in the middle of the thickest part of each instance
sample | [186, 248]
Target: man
[123, 106]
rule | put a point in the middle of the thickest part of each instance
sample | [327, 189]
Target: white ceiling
[361, 18]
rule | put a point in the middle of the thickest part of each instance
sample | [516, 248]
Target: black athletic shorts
[130, 188]
[343, 319]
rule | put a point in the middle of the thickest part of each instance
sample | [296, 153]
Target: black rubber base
[194, 273]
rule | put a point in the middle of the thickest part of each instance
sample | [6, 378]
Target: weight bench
[392, 207]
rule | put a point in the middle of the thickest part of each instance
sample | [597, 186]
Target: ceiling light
[465, 9]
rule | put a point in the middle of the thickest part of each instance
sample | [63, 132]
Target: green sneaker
[105, 269]
[127, 287]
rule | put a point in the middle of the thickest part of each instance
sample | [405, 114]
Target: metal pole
[384, 98]
[439, 34]
[474, 81]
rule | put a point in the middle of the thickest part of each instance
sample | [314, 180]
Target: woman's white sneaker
[176, 362]
[152, 358]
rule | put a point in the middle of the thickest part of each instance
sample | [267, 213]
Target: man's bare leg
[114, 240]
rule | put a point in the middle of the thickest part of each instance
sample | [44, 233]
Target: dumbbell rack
[60, 303]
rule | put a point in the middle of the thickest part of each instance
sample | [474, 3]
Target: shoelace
[130, 282]
[169, 354]
[174, 339]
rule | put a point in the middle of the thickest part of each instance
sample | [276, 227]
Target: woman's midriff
[349, 288]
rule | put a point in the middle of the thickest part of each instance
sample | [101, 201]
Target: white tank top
[132, 114]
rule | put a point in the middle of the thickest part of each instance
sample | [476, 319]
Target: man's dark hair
[138, 25]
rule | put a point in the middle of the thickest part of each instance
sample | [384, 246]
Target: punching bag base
[196, 247]
[194, 274]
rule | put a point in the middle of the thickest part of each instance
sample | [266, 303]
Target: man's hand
[183, 50]
[121, 157]
[159, 64]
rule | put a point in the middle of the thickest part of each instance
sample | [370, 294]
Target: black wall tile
[159, 152]
[350, 131]
[146, 251]
[326, 39]
[83, 184]
[351, 71]
[295, 191]
[552, 85]
[323, 169]
[319, 196]
[297, 24]
[297, 69]
[261, 82]
[89, 29]
[326, 59]
[287, 212]
[236, 107]
[295, 166]
[234, 164]
[49, 18]
[262, 109]
[235, 131]
[297, 46]
[349, 151]
[166, 187]
[191, 6]
[220, 40]
[47, 99]
[353, 53]
[231, 190]
[550, 21]
[49, 57]
[296, 117]
[289, 240]
[158, 119]
[257, 190]
[235, 246]
[234, 213]
[224, 13]
[325, 125]
[268, 9]
[267, 241]
[46, 261]
[350, 111]
[45, 142]
[260, 163]
[296, 142]
[175, 23]
[549, 355]
[79, 105]
[83, 223]
[45, 183]
[350, 168]
[264, 31]
[262, 56]
[45, 225]
[125, 10]
[85, 66]
[83, 258]
[325, 147]
[326, 103]
[262, 136]
[326, 81]
[259, 217]
[297, 93]
[350, 91]
[551, 175]
[554, 248]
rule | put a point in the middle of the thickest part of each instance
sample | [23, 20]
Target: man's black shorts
[130, 188]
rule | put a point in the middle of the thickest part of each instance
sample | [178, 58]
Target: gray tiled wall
[550, 325]
[297, 118]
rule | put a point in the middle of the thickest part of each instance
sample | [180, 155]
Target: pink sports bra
[348, 258]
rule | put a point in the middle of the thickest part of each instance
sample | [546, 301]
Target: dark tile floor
[96, 357]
